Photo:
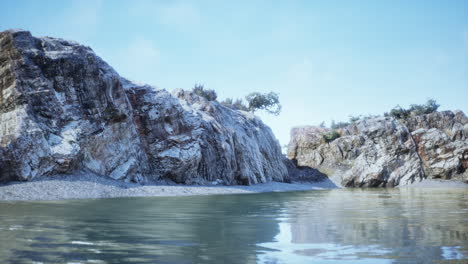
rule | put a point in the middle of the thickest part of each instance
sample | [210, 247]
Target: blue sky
[326, 59]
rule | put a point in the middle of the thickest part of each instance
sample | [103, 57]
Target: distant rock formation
[387, 152]
[63, 109]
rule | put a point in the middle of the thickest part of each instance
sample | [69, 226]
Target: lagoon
[401, 225]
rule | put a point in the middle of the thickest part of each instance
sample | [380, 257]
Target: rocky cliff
[63, 109]
[386, 151]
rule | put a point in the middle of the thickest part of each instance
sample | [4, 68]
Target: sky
[326, 59]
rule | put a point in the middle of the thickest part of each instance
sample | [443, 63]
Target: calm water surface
[332, 226]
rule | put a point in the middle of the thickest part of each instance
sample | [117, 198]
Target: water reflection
[210, 229]
[335, 226]
[378, 226]
[287, 251]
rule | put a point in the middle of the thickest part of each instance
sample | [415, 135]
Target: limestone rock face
[442, 140]
[387, 152]
[63, 109]
[191, 140]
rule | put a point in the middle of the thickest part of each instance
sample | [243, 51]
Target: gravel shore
[434, 183]
[86, 186]
[90, 186]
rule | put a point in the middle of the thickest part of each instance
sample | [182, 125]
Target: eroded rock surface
[63, 109]
[442, 144]
[387, 152]
[190, 139]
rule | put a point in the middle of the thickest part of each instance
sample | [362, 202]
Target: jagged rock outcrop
[442, 144]
[190, 139]
[63, 109]
[387, 152]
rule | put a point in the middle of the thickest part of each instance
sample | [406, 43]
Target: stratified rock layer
[442, 141]
[63, 109]
[388, 152]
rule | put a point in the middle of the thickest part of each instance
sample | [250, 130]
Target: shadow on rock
[306, 174]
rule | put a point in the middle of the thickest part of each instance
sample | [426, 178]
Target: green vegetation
[414, 110]
[397, 112]
[236, 104]
[268, 102]
[208, 94]
[331, 135]
[353, 119]
[254, 101]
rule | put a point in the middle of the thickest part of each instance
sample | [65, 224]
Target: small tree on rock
[268, 102]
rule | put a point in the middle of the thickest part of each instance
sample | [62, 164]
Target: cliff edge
[63, 110]
[387, 152]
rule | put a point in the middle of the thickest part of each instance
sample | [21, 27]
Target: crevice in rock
[421, 163]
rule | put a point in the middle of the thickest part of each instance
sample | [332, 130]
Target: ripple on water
[333, 226]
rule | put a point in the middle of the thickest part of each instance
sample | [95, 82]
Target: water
[332, 226]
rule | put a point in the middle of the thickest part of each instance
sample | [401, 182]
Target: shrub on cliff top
[208, 94]
[255, 101]
[331, 135]
[353, 119]
[430, 107]
[268, 102]
[415, 109]
[236, 104]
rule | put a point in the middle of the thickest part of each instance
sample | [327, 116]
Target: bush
[353, 119]
[330, 136]
[268, 102]
[430, 107]
[208, 94]
[255, 101]
[414, 110]
[237, 104]
[399, 113]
